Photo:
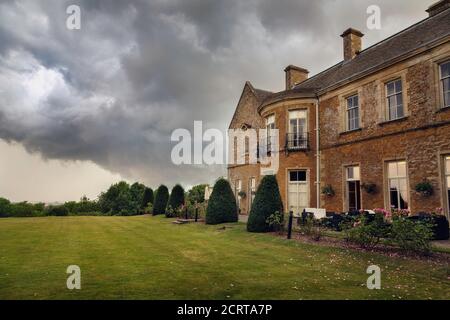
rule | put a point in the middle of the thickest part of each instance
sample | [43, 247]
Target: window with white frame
[398, 185]
[297, 129]
[352, 113]
[444, 71]
[353, 188]
[238, 187]
[270, 125]
[394, 100]
[447, 181]
[252, 191]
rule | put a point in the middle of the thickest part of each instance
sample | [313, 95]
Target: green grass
[150, 258]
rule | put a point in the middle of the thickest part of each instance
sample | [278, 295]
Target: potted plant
[328, 191]
[424, 188]
[370, 188]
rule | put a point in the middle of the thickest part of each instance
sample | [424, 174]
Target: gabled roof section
[421, 35]
[259, 94]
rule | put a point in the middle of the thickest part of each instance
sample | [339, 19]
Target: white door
[298, 191]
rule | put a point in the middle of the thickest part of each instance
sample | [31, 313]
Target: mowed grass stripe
[150, 258]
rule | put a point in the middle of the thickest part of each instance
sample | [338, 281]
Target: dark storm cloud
[113, 91]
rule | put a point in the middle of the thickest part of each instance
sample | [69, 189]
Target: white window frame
[297, 187]
[238, 187]
[252, 191]
[354, 178]
[299, 139]
[447, 182]
[270, 125]
[347, 113]
[398, 178]
[441, 85]
[394, 94]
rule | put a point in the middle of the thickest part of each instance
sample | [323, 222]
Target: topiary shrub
[267, 202]
[147, 198]
[222, 204]
[161, 198]
[176, 199]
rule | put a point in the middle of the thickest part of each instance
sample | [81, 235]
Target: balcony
[297, 141]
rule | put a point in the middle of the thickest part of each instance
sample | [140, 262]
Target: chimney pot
[438, 7]
[294, 76]
[352, 43]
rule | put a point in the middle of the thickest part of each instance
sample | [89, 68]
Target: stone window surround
[352, 122]
[437, 61]
[345, 166]
[441, 100]
[296, 108]
[442, 172]
[386, 191]
[343, 109]
[383, 108]
[308, 183]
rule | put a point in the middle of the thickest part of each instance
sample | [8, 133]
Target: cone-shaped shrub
[148, 197]
[267, 201]
[222, 204]
[161, 198]
[176, 199]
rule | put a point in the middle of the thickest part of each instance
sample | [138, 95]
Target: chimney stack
[294, 76]
[438, 7]
[352, 43]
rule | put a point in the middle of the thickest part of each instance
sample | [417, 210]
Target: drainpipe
[317, 154]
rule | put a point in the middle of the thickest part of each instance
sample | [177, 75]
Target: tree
[267, 202]
[118, 200]
[222, 204]
[137, 196]
[5, 205]
[196, 194]
[148, 197]
[161, 198]
[176, 199]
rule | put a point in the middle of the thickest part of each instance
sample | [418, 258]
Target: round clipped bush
[176, 199]
[267, 202]
[222, 204]
[161, 198]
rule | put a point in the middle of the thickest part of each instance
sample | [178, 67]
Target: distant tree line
[121, 199]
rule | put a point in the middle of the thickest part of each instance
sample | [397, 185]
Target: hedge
[161, 198]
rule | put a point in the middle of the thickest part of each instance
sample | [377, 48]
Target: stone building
[363, 133]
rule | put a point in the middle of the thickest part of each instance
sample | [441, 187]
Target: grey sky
[106, 98]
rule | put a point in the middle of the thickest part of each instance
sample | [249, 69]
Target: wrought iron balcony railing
[297, 141]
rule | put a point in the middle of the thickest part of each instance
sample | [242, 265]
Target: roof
[382, 54]
[296, 93]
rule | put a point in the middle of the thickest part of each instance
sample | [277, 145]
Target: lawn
[150, 258]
